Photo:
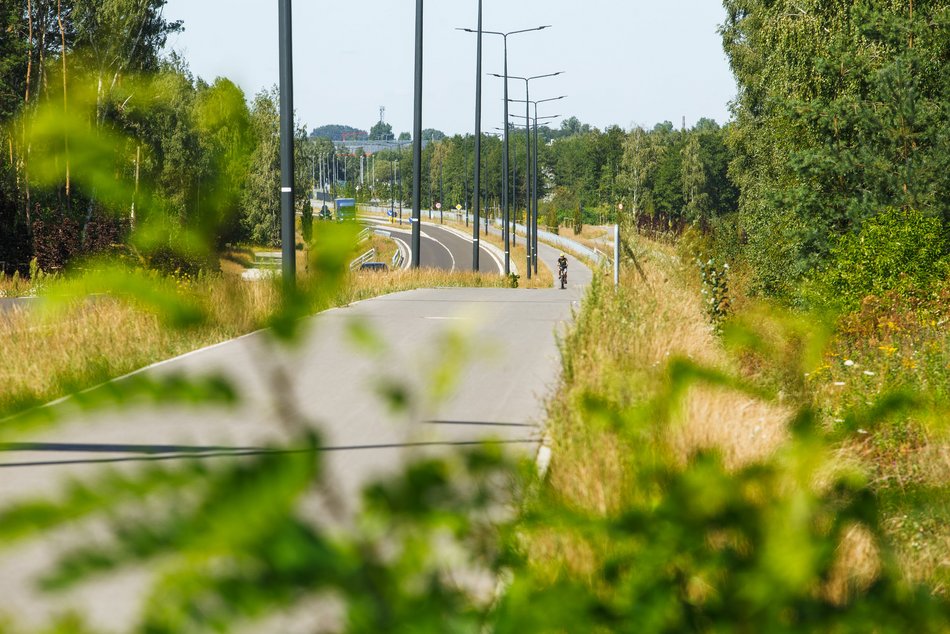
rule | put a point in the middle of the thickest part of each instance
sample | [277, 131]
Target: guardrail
[360, 261]
[364, 234]
[398, 259]
[576, 247]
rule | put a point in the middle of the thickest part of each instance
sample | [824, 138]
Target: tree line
[680, 175]
[103, 132]
[840, 125]
[195, 162]
[841, 115]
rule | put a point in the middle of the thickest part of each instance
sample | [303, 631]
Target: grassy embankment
[618, 354]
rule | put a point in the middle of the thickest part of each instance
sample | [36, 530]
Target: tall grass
[616, 363]
[48, 356]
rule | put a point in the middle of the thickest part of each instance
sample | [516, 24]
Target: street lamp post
[504, 156]
[536, 125]
[478, 137]
[531, 213]
[417, 144]
[287, 237]
[527, 80]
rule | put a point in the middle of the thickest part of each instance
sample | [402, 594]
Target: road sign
[438, 205]
[458, 207]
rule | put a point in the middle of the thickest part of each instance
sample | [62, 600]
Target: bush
[104, 234]
[578, 220]
[903, 252]
[715, 291]
[56, 240]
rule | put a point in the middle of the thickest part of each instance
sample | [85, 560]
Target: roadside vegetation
[752, 430]
[693, 472]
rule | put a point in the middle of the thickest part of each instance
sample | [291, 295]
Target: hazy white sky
[626, 61]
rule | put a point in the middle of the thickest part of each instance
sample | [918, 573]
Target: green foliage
[223, 123]
[707, 550]
[696, 546]
[842, 112]
[336, 132]
[262, 218]
[715, 291]
[680, 176]
[381, 131]
[549, 216]
[904, 252]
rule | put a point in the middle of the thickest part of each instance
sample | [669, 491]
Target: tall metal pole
[504, 171]
[534, 247]
[417, 145]
[478, 137]
[514, 196]
[287, 232]
[527, 180]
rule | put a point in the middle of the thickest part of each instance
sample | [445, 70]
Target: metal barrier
[360, 261]
[398, 259]
[570, 245]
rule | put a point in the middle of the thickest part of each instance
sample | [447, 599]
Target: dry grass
[620, 350]
[646, 325]
[46, 357]
[15, 286]
[591, 236]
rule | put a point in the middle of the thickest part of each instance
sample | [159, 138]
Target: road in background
[443, 247]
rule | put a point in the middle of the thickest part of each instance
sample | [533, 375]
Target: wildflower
[868, 373]
[849, 363]
[839, 383]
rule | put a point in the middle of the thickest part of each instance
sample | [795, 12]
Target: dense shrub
[104, 234]
[56, 240]
[904, 252]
